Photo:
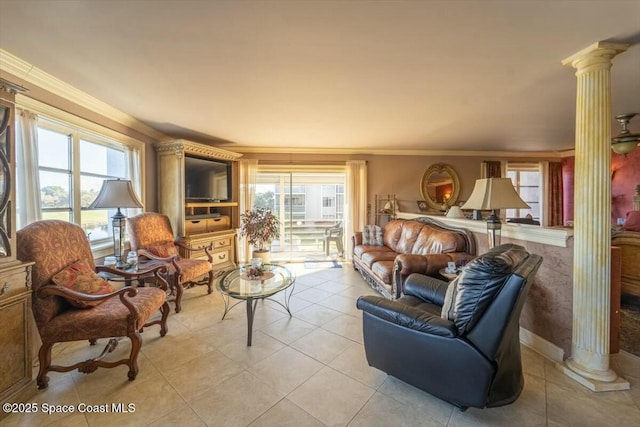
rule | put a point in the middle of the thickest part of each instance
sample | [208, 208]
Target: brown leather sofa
[421, 245]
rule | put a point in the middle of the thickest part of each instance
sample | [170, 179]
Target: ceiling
[359, 75]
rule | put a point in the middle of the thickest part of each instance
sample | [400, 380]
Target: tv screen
[207, 180]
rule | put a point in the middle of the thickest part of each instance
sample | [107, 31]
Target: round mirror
[440, 186]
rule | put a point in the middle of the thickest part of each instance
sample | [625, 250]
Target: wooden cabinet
[16, 320]
[198, 223]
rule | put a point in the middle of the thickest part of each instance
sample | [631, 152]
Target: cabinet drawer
[217, 224]
[223, 242]
[221, 257]
[196, 226]
[13, 283]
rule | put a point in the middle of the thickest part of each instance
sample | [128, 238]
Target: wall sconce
[626, 141]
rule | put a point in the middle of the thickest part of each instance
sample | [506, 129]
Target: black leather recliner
[459, 341]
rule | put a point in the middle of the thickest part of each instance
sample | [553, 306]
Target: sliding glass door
[310, 206]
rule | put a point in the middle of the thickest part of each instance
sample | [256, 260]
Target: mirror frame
[455, 183]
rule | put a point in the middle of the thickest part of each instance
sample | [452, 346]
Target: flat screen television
[206, 180]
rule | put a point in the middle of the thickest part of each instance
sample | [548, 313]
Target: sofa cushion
[383, 270]
[370, 258]
[360, 250]
[408, 236]
[80, 277]
[478, 283]
[434, 241]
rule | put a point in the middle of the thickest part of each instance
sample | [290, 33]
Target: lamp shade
[116, 193]
[493, 194]
[455, 212]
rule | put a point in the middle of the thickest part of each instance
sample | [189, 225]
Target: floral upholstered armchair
[151, 235]
[72, 303]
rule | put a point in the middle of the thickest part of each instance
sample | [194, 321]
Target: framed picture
[422, 205]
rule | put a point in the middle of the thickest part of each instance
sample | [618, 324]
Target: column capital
[596, 56]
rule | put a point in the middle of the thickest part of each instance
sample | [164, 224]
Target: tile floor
[308, 370]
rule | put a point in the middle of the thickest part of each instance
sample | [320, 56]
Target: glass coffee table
[237, 285]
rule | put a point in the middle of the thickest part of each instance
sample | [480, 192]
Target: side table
[145, 270]
[448, 276]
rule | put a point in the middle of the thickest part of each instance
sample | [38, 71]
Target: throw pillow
[80, 277]
[164, 250]
[449, 298]
[632, 223]
[372, 235]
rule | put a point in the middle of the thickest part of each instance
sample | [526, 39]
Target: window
[72, 164]
[527, 179]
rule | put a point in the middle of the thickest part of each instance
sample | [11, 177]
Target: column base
[570, 369]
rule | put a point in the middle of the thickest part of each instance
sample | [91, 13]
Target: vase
[264, 255]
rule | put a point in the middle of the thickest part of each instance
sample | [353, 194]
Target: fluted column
[589, 362]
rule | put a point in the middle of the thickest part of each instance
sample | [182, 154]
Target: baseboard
[540, 345]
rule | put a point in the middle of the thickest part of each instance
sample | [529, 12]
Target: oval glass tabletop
[237, 284]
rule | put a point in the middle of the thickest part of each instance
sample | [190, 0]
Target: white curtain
[248, 169]
[132, 173]
[27, 175]
[355, 201]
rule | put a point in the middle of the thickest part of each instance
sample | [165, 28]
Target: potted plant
[260, 226]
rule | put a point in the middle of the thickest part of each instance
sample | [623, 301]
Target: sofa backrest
[423, 237]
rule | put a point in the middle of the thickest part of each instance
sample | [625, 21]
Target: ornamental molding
[178, 147]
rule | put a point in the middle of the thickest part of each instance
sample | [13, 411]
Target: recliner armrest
[407, 316]
[426, 288]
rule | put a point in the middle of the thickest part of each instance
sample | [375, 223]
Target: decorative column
[589, 361]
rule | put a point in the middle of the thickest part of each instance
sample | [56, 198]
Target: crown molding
[398, 152]
[31, 74]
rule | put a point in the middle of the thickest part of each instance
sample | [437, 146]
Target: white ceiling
[374, 75]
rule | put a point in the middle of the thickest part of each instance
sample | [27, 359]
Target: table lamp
[117, 193]
[494, 194]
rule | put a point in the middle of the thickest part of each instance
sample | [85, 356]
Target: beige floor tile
[288, 329]
[286, 369]
[322, 345]
[356, 291]
[346, 326]
[317, 314]
[182, 416]
[567, 407]
[314, 295]
[286, 414]
[341, 303]
[75, 420]
[337, 407]
[193, 379]
[169, 352]
[295, 304]
[61, 392]
[439, 410]
[236, 402]
[532, 362]
[382, 410]
[335, 286]
[151, 400]
[262, 347]
[353, 363]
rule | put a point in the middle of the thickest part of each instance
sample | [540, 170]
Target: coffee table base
[252, 303]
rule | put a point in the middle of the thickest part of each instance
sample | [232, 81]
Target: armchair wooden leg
[165, 309]
[210, 284]
[136, 344]
[179, 291]
[93, 341]
[44, 356]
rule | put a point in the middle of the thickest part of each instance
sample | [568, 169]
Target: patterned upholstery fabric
[106, 320]
[152, 232]
[149, 229]
[53, 245]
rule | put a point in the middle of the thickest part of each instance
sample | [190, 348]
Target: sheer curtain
[355, 201]
[133, 173]
[27, 176]
[248, 169]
